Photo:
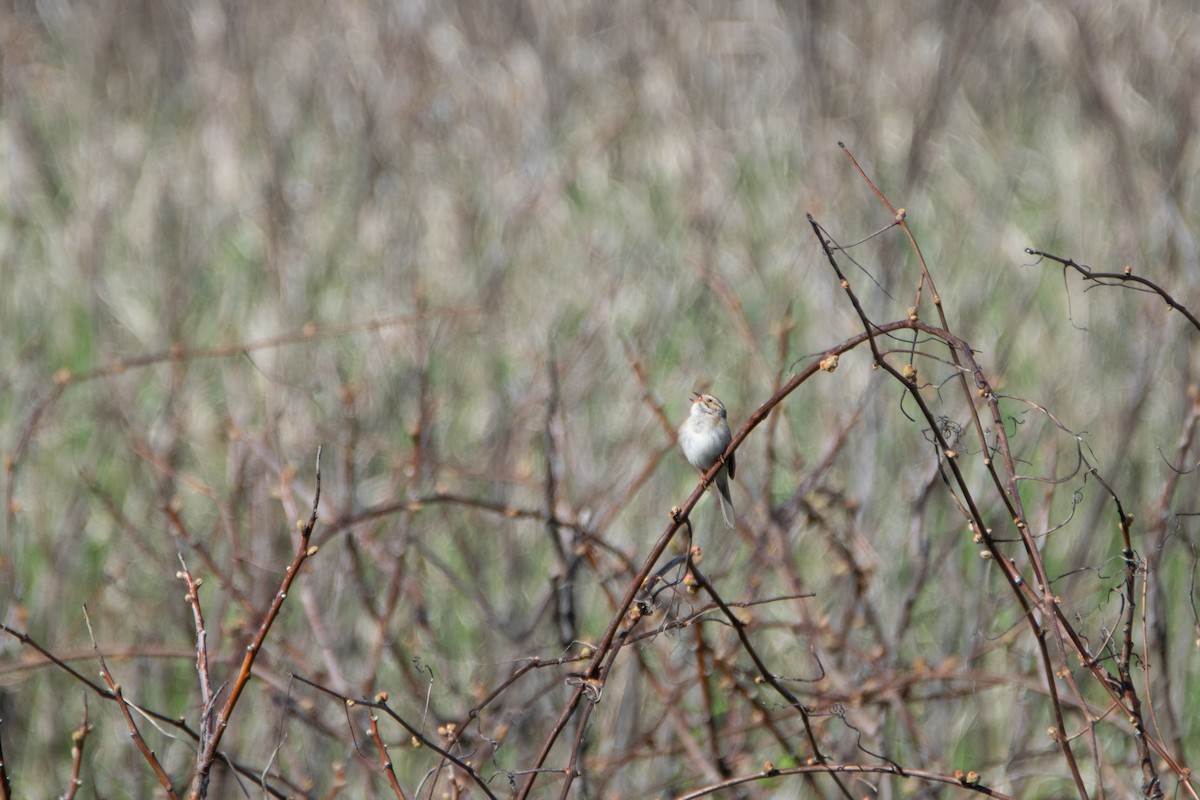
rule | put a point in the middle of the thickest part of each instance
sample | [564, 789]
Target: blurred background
[482, 253]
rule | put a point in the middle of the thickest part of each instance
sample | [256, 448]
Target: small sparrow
[704, 438]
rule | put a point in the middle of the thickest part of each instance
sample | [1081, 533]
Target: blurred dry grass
[481, 192]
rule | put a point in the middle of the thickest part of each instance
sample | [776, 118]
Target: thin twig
[380, 703]
[385, 759]
[163, 778]
[210, 737]
[967, 781]
[78, 740]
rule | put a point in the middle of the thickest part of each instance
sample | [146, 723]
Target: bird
[703, 438]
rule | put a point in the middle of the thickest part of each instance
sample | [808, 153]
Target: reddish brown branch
[1028, 599]
[163, 778]
[78, 740]
[385, 759]
[969, 781]
[202, 671]
[1151, 787]
[5, 784]
[765, 674]
[380, 703]
[210, 735]
[1123, 278]
[1053, 620]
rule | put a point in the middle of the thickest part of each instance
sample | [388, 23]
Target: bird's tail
[726, 501]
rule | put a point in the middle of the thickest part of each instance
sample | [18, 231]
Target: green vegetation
[481, 255]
